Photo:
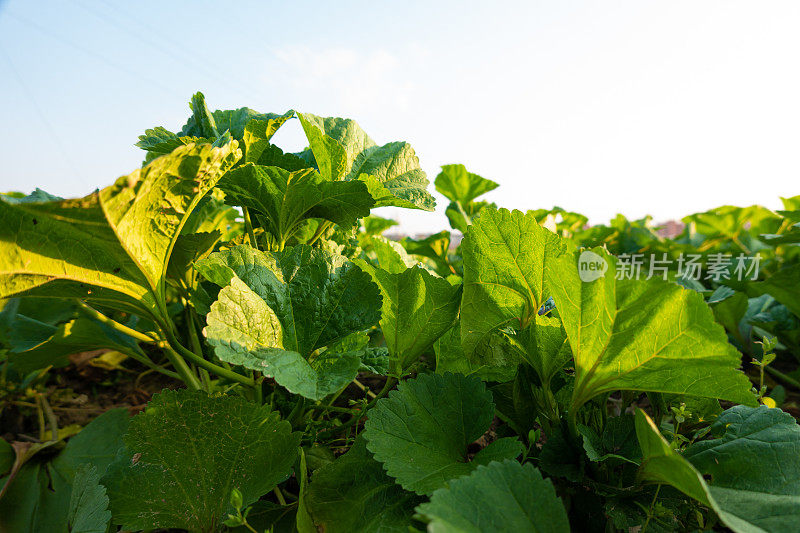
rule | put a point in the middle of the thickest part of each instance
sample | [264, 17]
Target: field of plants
[224, 340]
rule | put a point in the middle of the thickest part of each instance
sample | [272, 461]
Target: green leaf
[417, 309]
[393, 177]
[276, 309]
[618, 441]
[375, 225]
[642, 335]
[7, 456]
[112, 246]
[185, 454]
[458, 185]
[544, 346]
[495, 359]
[66, 248]
[159, 141]
[436, 247]
[353, 493]
[237, 121]
[318, 297]
[258, 132]
[188, 249]
[329, 154]
[505, 257]
[421, 431]
[148, 208]
[88, 505]
[784, 286]
[390, 255]
[79, 335]
[303, 520]
[201, 123]
[460, 217]
[753, 466]
[286, 199]
[749, 489]
[503, 496]
[244, 331]
[342, 150]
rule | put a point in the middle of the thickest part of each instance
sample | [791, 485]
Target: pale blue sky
[599, 107]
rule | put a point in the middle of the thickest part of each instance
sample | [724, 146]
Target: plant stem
[650, 510]
[208, 365]
[185, 373]
[100, 317]
[249, 225]
[279, 495]
[335, 409]
[355, 418]
[364, 388]
[320, 230]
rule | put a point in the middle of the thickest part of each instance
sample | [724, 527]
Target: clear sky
[637, 106]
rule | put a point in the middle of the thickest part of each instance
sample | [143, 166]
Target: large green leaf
[417, 309]
[319, 297]
[188, 451]
[458, 185]
[147, 209]
[112, 246]
[503, 496]
[285, 199]
[276, 309]
[67, 249]
[421, 431]
[393, 176]
[342, 150]
[244, 331]
[505, 256]
[750, 487]
[353, 493]
[753, 466]
[642, 335]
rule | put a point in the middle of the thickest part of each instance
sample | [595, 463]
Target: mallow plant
[335, 380]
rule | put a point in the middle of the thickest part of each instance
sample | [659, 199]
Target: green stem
[335, 409]
[384, 391]
[650, 511]
[279, 496]
[363, 388]
[783, 377]
[148, 363]
[258, 392]
[141, 337]
[186, 374]
[320, 230]
[100, 317]
[203, 363]
[249, 225]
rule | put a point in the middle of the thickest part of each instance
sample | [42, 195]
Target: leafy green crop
[324, 377]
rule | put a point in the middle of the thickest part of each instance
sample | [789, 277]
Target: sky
[634, 107]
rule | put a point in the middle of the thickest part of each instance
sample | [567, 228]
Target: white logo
[591, 266]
